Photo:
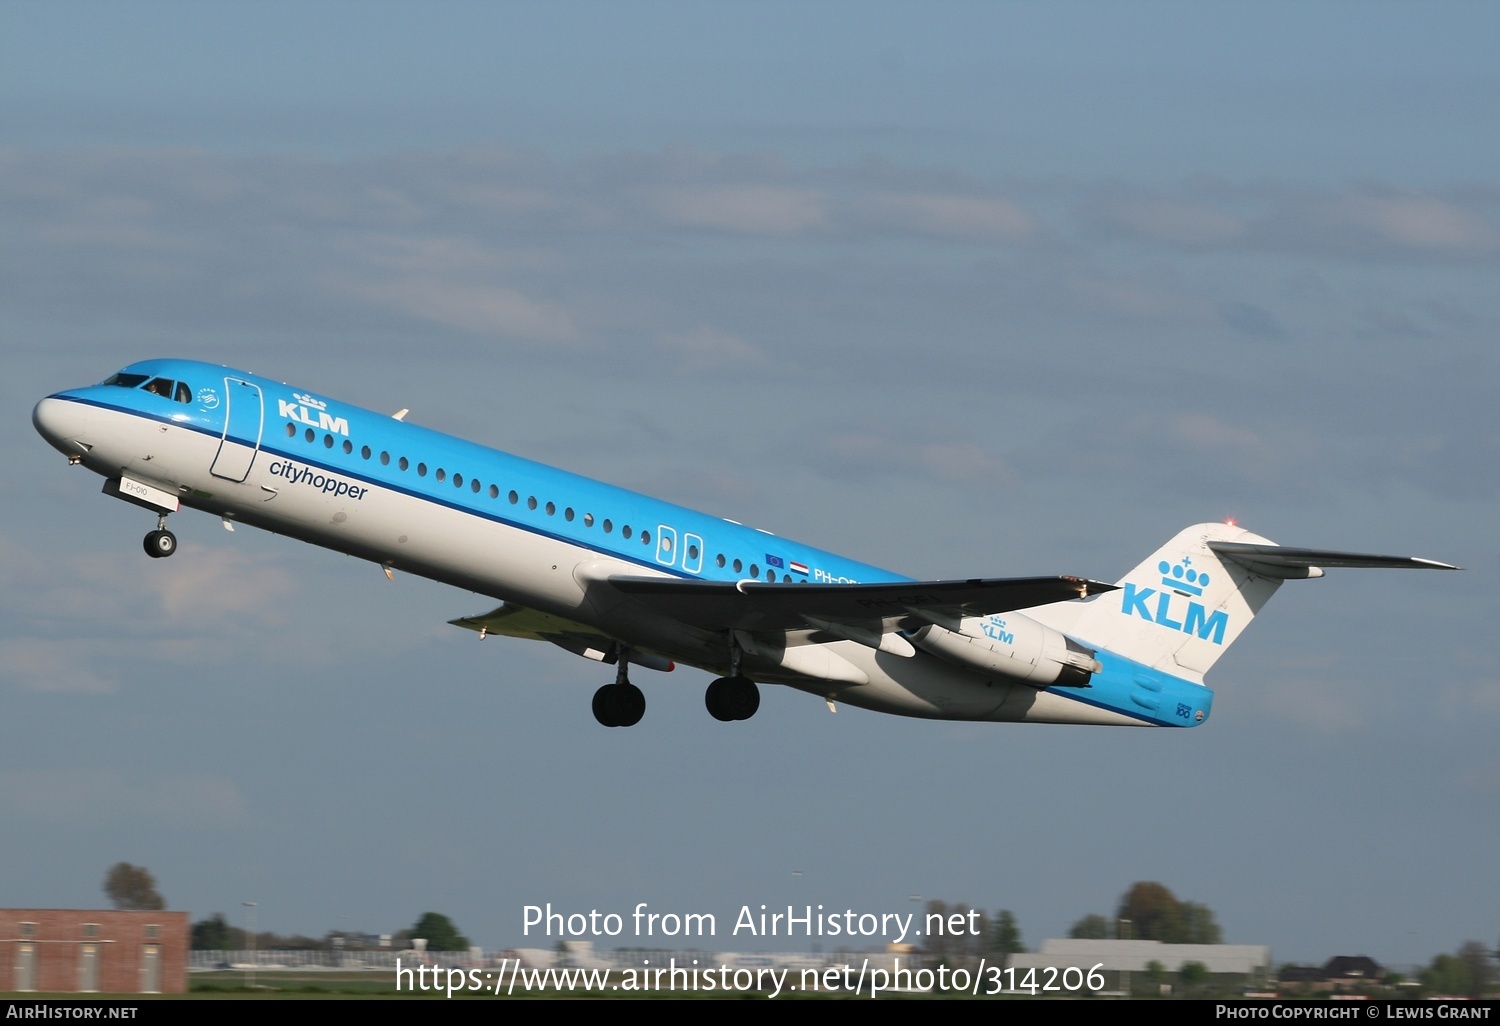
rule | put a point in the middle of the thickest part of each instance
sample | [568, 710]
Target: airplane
[629, 580]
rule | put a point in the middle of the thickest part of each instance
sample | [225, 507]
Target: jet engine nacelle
[1013, 646]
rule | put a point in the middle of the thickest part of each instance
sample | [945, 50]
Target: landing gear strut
[160, 542]
[620, 704]
[734, 697]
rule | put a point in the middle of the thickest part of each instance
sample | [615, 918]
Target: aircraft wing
[520, 622]
[756, 606]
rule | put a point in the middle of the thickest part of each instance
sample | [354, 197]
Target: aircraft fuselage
[258, 452]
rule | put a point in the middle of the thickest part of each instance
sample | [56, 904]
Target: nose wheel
[160, 542]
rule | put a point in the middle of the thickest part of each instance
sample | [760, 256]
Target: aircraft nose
[61, 422]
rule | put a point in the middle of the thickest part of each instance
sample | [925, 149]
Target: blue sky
[961, 290]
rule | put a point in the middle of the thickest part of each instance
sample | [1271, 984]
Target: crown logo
[307, 400]
[1182, 577]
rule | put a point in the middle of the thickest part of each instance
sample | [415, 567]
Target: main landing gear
[734, 697]
[160, 542]
[620, 704]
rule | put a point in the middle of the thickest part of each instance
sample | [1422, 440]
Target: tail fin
[1181, 608]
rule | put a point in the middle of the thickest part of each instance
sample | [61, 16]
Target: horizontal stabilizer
[1287, 563]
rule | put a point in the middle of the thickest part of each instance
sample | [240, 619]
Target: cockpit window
[124, 380]
[178, 391]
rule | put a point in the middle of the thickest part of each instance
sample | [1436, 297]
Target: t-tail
[1181, 608]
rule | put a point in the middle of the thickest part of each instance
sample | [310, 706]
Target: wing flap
[570, 635]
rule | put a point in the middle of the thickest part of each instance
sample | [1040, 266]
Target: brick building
[62, 950]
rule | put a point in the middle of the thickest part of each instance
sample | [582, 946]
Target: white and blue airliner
[629, 580]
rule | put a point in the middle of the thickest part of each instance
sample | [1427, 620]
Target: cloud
[76, 621]
[115, 591]
[1113, 296]
[1307, 700]
[1359, 223]
[214, 586]
[474, 307]
[946, 461]
[86, 797]
[1415, 222]
[1191, 454]
[53, 665]
[709, 349]
[1252, 320]
[949, 216]
[1470, 699]
[1176, 222]
[744, 209]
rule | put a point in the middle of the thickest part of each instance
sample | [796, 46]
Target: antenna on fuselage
[401, 415]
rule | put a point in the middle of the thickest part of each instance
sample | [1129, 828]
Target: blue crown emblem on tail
[1182, 577]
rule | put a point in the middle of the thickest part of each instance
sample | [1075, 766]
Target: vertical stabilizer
[1179, 609]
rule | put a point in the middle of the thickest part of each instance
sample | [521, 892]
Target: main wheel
[717, 701]
[619, 705]
[630, 704]
[604, 706]
[742, 697]
[159, 544]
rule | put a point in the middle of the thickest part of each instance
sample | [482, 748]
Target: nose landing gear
[160, 543]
